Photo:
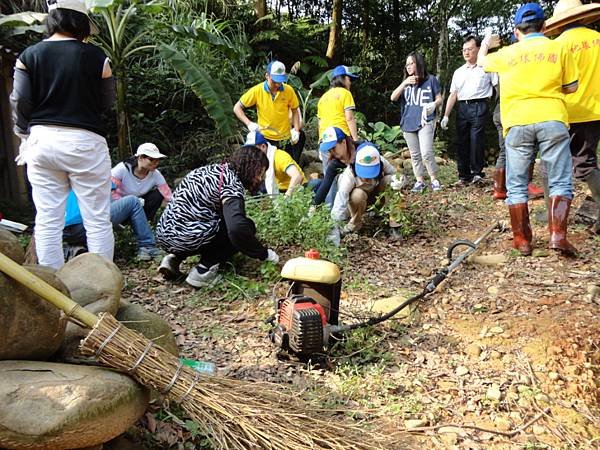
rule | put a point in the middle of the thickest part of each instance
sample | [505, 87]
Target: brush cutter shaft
[47, 292]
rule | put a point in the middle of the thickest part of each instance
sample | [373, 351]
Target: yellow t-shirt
[331, 109]
[583, 105]
[272, 111]
[281, 161]
[532, 74]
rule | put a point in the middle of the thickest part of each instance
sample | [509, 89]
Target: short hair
[421, 70]
[531, 26]
[338, 81]
[473, 38]
[248, 162]
[68, 21]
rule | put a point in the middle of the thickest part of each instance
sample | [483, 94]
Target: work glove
[444, 123]
[272, 256]
[253, 126]
[142, 201]
[429, 108]
[295, 136]
[20, 159]
[492, 40]
[398, 182]
[312, 210]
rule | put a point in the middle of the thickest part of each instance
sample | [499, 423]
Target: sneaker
[461, 182]
[71, 251]
[436, 186]
[200, 276]
[419, 187]
[477, 179]
[148, 253]
[169, 267]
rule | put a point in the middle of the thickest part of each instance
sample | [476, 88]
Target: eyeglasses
[152, 160]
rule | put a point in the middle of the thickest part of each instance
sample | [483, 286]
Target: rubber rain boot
[519, 221]
[532, 189]
[558, 218]
[593, 182]
[500, 184]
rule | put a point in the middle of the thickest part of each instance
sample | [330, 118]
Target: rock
[405, 154]
[593, 293]
[473, 350]
[538, 429]
[553, 376]
[314, 167]
[542, 398]
[30, 327]
[95, 283]
[385, 305]
[415, 423]
[407, 164]
[494, 290]
[495, 354]
[75, 406]
[461, 371]
[496, 330]
[488, 260]
[309, 156]
[494, 393]
[440, 161]
[9, 245]
[451, 429]
[149, 324]
[502, 423]
[449, 438]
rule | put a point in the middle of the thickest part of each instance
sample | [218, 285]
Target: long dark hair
[131, 163]
[68, 21]
[421, 70]
[248, 162]
[339, 81]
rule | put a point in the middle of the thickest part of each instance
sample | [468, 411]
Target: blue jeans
[121, 210]
[552, 140]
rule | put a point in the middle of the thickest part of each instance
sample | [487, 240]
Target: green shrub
[285, 221]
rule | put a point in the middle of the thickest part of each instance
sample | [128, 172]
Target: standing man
[276, 106]
[583, 106]
[535, 74]
[472, 87]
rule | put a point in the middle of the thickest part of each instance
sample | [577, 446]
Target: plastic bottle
[204, 367]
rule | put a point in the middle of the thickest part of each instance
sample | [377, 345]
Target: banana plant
[121, 43]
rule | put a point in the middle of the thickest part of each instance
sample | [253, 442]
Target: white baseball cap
[150, 150]
[368, 161]
[276, 69]
[74, 5]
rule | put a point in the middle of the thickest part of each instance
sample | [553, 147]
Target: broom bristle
[234, 414]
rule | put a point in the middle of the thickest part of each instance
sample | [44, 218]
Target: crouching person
[359, 184]
[126, 209]
[207, 217]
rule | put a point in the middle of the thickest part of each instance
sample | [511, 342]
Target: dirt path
[496, 347]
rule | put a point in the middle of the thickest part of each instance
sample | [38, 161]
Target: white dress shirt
[471, 82]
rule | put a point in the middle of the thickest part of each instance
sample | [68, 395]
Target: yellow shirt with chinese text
[331, 109]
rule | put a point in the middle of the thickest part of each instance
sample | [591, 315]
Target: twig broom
[234, 414]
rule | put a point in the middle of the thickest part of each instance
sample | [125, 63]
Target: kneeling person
[358, 185]
[207, 217]
[283, 174]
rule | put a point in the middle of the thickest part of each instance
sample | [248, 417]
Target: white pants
[59, 159]
[420, 145]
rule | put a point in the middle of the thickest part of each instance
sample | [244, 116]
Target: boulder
[149, 324]
[10, 246]
[95, 283]
[60, 406]
[315, 167]
[309, 156]
[30, 327]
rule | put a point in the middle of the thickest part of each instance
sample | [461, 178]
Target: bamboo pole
[47, 292]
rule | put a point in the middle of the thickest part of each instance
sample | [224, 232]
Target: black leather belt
[474, 100]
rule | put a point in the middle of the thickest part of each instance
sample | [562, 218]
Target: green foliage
[285, 221]
[211, 91]
[391, 205]
[388, 139]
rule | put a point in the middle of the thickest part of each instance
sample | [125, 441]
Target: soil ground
[500, 356]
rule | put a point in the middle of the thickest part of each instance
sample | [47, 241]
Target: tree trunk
[122, 129]
[366, 21]
[334, 45]
[443, 43]
[260, 8]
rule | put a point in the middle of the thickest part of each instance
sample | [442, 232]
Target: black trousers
[584, 142]
[470, 136]
[295, 150]
[152, 201]
[218, 250]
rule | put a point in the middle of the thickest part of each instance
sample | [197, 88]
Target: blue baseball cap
[368, 161]
[342, 70]
[276, 69]
[254, 138]
[330, 138]
[529, 12]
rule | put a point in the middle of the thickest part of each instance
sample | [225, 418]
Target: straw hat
[569, 11]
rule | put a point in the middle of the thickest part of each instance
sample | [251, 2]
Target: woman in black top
[207, 216]
[61, 86]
